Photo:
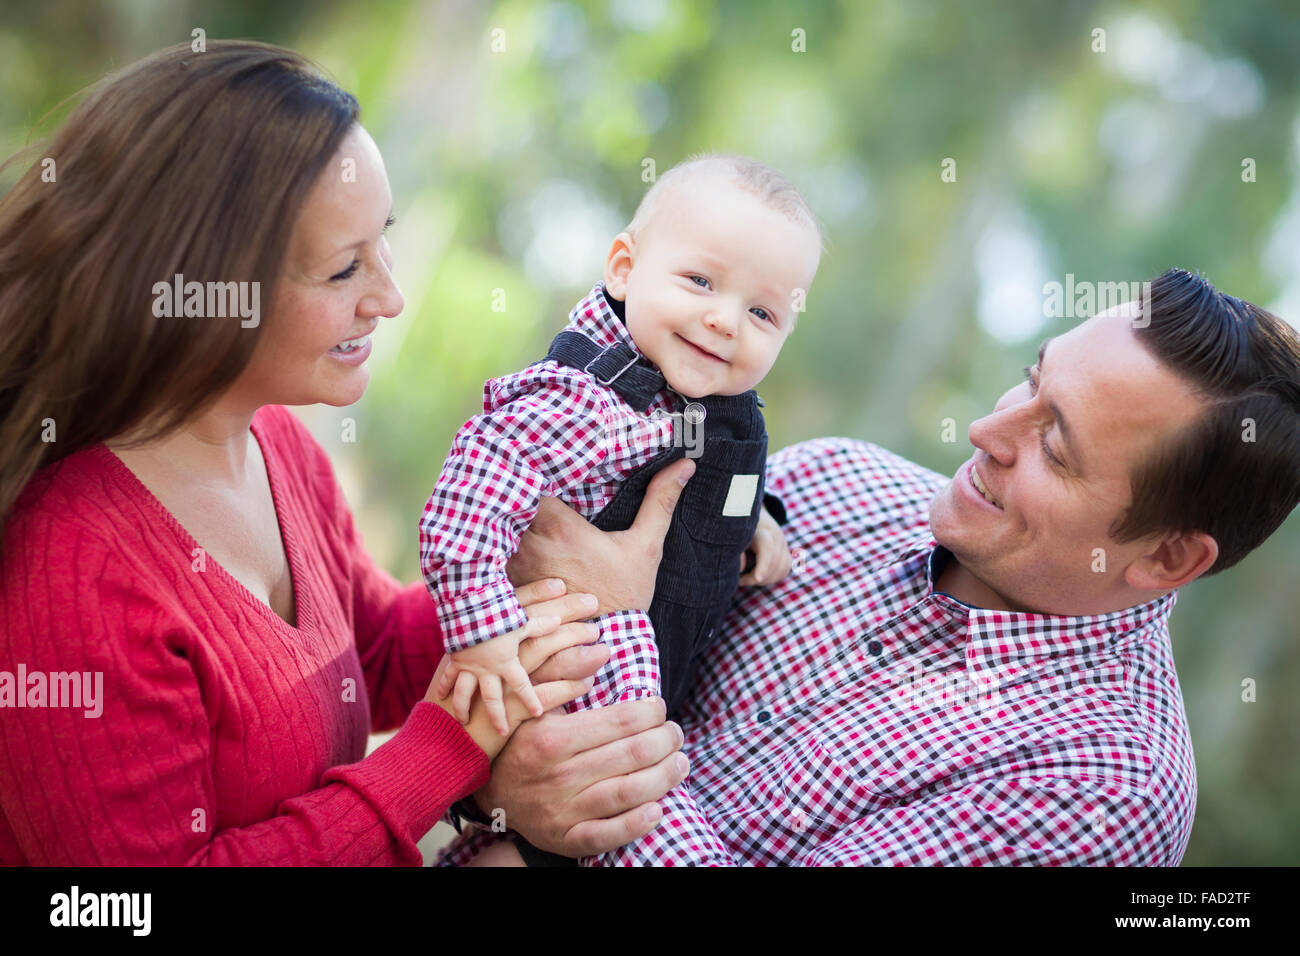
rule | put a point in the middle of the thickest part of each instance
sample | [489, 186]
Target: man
[978, 671]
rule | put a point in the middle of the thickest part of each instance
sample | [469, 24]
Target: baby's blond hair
[762, 180]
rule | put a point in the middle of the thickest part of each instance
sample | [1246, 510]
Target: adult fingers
[573, 663]
[569, 608]
[593, 837]
[557, 693]
[656, 512]
[537, 591]
[628, 755]
[614, 795]
[605, 805]
[536, 651]
[568, 734]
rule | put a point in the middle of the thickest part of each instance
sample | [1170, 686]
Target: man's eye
[700, 281]
[346, 273]
[1033, 390]
[1048, 452]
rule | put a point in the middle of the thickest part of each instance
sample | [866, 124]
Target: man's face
[1055, 456]
[709, 285]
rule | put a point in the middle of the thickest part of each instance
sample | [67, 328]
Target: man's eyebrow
[1055, 410]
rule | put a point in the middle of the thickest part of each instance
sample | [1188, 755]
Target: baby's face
[711, 284]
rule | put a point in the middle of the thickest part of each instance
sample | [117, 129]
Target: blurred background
[516, 135]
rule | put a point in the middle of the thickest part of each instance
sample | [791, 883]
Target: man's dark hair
[1234, 473]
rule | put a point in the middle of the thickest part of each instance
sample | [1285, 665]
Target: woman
[174, 537]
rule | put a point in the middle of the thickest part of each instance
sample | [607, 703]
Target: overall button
[694, 413]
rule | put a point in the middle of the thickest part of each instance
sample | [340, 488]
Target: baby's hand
[485, 666]
[771, 554]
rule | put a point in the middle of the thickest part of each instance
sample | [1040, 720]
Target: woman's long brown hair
[184, 162]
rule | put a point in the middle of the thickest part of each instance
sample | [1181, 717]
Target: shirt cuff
[775, 507]
[473, 617]
[465, 811]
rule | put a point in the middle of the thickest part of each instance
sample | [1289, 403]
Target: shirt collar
[1007, 641]
[599, 317]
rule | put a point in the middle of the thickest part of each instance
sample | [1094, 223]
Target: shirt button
[875, 648]
[764, 715]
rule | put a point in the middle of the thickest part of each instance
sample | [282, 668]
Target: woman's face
[336, 283]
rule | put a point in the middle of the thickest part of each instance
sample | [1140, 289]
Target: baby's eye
[700, 281]
[346, 273]
[763, 314]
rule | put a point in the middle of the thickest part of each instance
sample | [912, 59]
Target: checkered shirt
[548, 430]
[852, 715]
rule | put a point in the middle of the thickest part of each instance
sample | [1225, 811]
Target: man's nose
[995, 434]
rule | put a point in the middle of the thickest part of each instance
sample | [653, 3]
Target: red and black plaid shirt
[549, 430]
[854, 715]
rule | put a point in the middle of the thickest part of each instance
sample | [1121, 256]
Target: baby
[699, 295]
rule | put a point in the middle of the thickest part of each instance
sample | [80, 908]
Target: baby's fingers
[761, 548]
[523, 688]
[465, 684]
[490, 688]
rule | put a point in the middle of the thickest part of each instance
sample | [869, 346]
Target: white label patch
[740, 497]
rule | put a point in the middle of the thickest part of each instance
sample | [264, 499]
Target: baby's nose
[720, 322]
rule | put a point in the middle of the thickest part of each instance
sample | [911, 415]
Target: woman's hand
[619, 567]
[547, 606]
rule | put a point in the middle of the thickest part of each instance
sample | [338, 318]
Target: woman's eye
[346, 273]
[700, 281]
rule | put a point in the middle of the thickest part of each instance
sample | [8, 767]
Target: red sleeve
[133, 785]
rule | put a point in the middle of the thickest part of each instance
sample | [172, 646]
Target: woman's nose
[387, 299]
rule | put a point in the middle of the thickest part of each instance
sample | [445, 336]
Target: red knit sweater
[226, 736]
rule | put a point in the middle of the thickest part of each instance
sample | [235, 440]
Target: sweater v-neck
[303, 608]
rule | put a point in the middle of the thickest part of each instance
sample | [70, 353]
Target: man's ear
[618, 264]
[1173, 561]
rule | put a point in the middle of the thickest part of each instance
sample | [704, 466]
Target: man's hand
[586, 783]
[772, 560]
[619, 567]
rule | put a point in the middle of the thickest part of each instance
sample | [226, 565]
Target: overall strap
[618, 366]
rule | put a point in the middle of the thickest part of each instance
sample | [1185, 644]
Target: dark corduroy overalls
[713, 523]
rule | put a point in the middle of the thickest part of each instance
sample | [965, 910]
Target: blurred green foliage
[513, 168]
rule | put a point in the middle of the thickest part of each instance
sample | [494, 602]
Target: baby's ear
[618, 264]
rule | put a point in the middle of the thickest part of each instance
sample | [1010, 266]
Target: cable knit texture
[226, 736]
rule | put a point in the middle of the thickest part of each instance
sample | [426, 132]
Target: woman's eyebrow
[388, 221]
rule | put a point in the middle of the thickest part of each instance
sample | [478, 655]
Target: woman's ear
[618, 264]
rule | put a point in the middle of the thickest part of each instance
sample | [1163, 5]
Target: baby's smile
[709, 284]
